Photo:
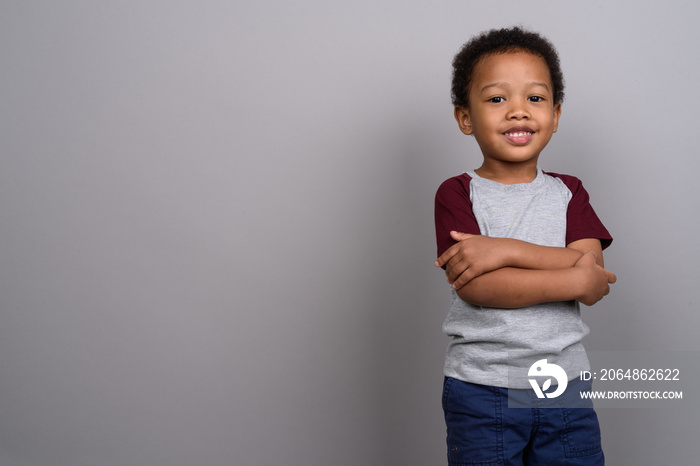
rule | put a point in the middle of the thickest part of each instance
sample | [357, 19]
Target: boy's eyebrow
[497, 84]
[536, 83]
[505, 84]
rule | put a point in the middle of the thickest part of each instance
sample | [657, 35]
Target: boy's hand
[472, 256]
[595, 280]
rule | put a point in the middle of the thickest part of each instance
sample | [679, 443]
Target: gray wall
[216, 236]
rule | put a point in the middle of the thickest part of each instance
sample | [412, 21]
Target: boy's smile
[519, 135]
[511, 114]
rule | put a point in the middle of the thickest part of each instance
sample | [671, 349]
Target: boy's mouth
[519, 135]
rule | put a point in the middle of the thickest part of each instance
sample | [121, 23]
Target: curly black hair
[502, 41]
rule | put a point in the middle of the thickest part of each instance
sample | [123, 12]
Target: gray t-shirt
[492, 346]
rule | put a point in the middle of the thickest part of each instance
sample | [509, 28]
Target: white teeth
[516, 135]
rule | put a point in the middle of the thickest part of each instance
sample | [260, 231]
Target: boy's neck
[508, 174]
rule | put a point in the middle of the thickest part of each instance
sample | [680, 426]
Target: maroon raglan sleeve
[453, 211]
[581, 220]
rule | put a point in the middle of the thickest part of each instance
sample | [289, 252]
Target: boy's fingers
[469, 274]
[454, 249]
[453, 270]
[458, 273]
[447, 255]
[459, 236]
[463, 279]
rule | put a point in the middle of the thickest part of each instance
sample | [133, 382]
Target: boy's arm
[511, 287]
[475, 255]
[506, 273]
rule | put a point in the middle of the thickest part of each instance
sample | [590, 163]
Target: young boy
[521, 248]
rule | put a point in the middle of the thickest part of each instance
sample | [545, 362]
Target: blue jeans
[483, 431]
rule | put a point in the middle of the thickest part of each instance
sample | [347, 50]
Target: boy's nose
[519, 115]
[517, 112]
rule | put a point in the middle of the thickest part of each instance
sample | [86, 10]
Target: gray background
[216, 233]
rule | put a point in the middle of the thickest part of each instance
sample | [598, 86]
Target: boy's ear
[557, 114]
[463, 120]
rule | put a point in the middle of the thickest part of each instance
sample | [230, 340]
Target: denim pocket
[581, 435]
[473, 414]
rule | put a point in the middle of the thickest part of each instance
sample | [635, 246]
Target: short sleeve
[453, 211]
[581, 220]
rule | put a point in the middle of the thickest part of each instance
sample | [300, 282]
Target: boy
[521, 248]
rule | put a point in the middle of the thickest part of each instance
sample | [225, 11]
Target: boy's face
[511, 110]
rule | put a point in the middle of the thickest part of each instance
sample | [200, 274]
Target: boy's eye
[496, 100]
[535, 98]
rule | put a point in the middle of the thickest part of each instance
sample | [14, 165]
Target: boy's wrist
[516, 256]
[509, 252]
[524, 255]
[572, 285]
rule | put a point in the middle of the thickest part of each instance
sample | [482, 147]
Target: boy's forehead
[512, 65]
